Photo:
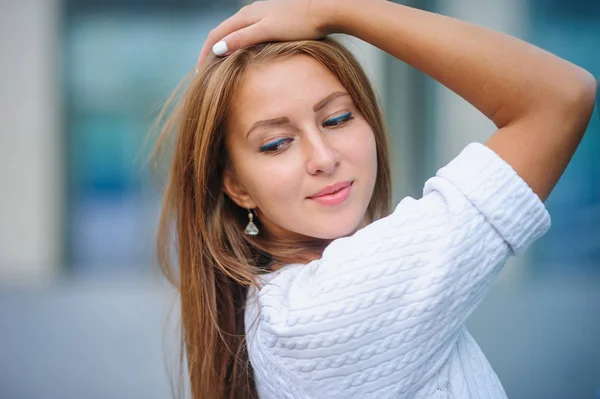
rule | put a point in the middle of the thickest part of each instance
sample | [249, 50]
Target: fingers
[239, 20]
[245, 37]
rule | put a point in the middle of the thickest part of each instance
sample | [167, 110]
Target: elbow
[566, 99]
[590, 91]
[580, 97]
[574, 107]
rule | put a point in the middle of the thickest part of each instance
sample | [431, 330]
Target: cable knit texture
[382, 313]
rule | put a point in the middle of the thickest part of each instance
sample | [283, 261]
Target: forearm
[540, 102]
[505, 78]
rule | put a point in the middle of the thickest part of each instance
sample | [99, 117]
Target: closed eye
[338, 120]
[280, 144]
[275, 145]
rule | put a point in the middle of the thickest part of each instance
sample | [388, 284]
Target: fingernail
[220, 48]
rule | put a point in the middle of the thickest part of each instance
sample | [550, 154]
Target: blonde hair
[216, 261]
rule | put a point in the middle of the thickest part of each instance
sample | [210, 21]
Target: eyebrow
[285, 120]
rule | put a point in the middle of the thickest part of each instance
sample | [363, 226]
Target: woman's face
[293, 131]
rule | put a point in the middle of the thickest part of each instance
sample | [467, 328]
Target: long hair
[216, 262]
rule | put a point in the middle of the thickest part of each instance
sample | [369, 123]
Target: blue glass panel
[572, 31]
[118, 67]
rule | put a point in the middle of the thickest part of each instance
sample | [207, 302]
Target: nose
[322, 156]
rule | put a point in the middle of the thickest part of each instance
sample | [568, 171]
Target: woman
[295, 280]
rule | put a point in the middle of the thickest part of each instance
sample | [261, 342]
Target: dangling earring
[251, 228]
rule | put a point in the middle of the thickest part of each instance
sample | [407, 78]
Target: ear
[236, 191]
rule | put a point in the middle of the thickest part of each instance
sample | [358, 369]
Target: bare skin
[540, 103]
[293, 130]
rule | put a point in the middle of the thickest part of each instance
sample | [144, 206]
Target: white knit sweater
[382, 313]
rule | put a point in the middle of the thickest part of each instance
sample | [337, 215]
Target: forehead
[272, 89]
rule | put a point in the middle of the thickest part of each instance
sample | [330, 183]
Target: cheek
[360, 149]
[275, 182]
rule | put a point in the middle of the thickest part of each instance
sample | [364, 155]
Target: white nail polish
[220, 48]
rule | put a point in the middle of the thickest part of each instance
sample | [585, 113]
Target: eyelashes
[338, 120]
[275, 145]
[278, 145]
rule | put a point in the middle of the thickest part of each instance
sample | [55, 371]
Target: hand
[271, 20]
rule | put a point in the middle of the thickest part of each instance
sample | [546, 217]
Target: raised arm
[540, 103]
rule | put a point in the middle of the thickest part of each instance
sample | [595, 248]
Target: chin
[337, 231]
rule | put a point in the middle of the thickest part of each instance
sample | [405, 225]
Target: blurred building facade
[82, 82]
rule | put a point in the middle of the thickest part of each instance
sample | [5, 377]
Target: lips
[331, 189]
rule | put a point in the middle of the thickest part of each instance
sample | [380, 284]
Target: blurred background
[83, 310]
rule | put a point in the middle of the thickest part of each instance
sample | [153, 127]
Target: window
[120, 60]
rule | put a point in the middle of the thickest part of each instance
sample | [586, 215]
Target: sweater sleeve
[382, 308]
